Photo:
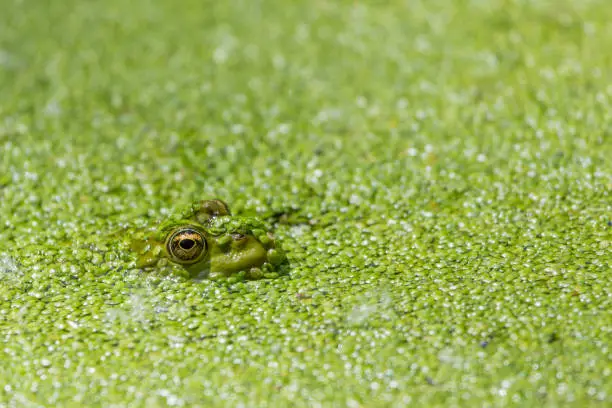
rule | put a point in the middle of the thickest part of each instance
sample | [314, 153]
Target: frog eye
[186, 245]
[209, 209]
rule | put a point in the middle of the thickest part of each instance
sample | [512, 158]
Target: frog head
[210, 243]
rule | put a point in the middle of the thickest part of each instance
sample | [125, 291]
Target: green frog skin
[208, 242]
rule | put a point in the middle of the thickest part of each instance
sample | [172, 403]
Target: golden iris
[186, 245]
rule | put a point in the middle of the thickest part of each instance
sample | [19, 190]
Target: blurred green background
[452, 158]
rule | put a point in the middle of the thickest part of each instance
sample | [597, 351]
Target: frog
[208, 242]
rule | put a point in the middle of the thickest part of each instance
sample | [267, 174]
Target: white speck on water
[354, 199]
[9, 270]
[373, 305]
[298, 230]
[171, 399]
[448, 356]
[284, 128]
[220, 55]
[279, 61]
[422, 44]
[401, 104]
[52, 109]
[589, 28]
[361, 313]
[237, 129]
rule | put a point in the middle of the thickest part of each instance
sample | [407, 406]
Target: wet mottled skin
[208, 242]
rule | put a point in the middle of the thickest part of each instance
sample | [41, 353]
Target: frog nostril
[187, 244]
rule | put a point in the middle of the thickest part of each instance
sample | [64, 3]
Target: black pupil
[187, 243]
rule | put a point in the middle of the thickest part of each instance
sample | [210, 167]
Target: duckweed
[442, 191]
